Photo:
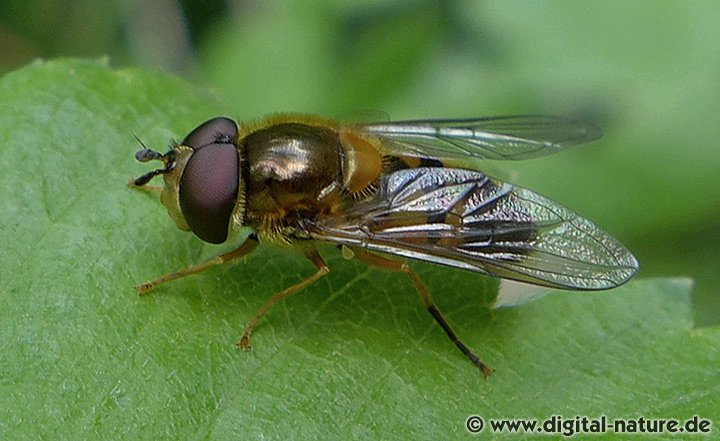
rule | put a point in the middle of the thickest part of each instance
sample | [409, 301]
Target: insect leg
[242, 250]
[149, 188]
[323, 269]
[397, 266]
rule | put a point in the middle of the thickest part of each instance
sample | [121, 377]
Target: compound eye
[217, 130]
[208, 189]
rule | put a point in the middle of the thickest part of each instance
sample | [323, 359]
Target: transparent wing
[506, 138]
[464, 219]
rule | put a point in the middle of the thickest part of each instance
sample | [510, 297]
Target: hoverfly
[385, 189]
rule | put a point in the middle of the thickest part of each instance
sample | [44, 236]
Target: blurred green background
[647, 72]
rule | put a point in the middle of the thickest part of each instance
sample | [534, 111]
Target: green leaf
[355, 355]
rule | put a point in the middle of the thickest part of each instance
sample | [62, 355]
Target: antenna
[145, 155]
